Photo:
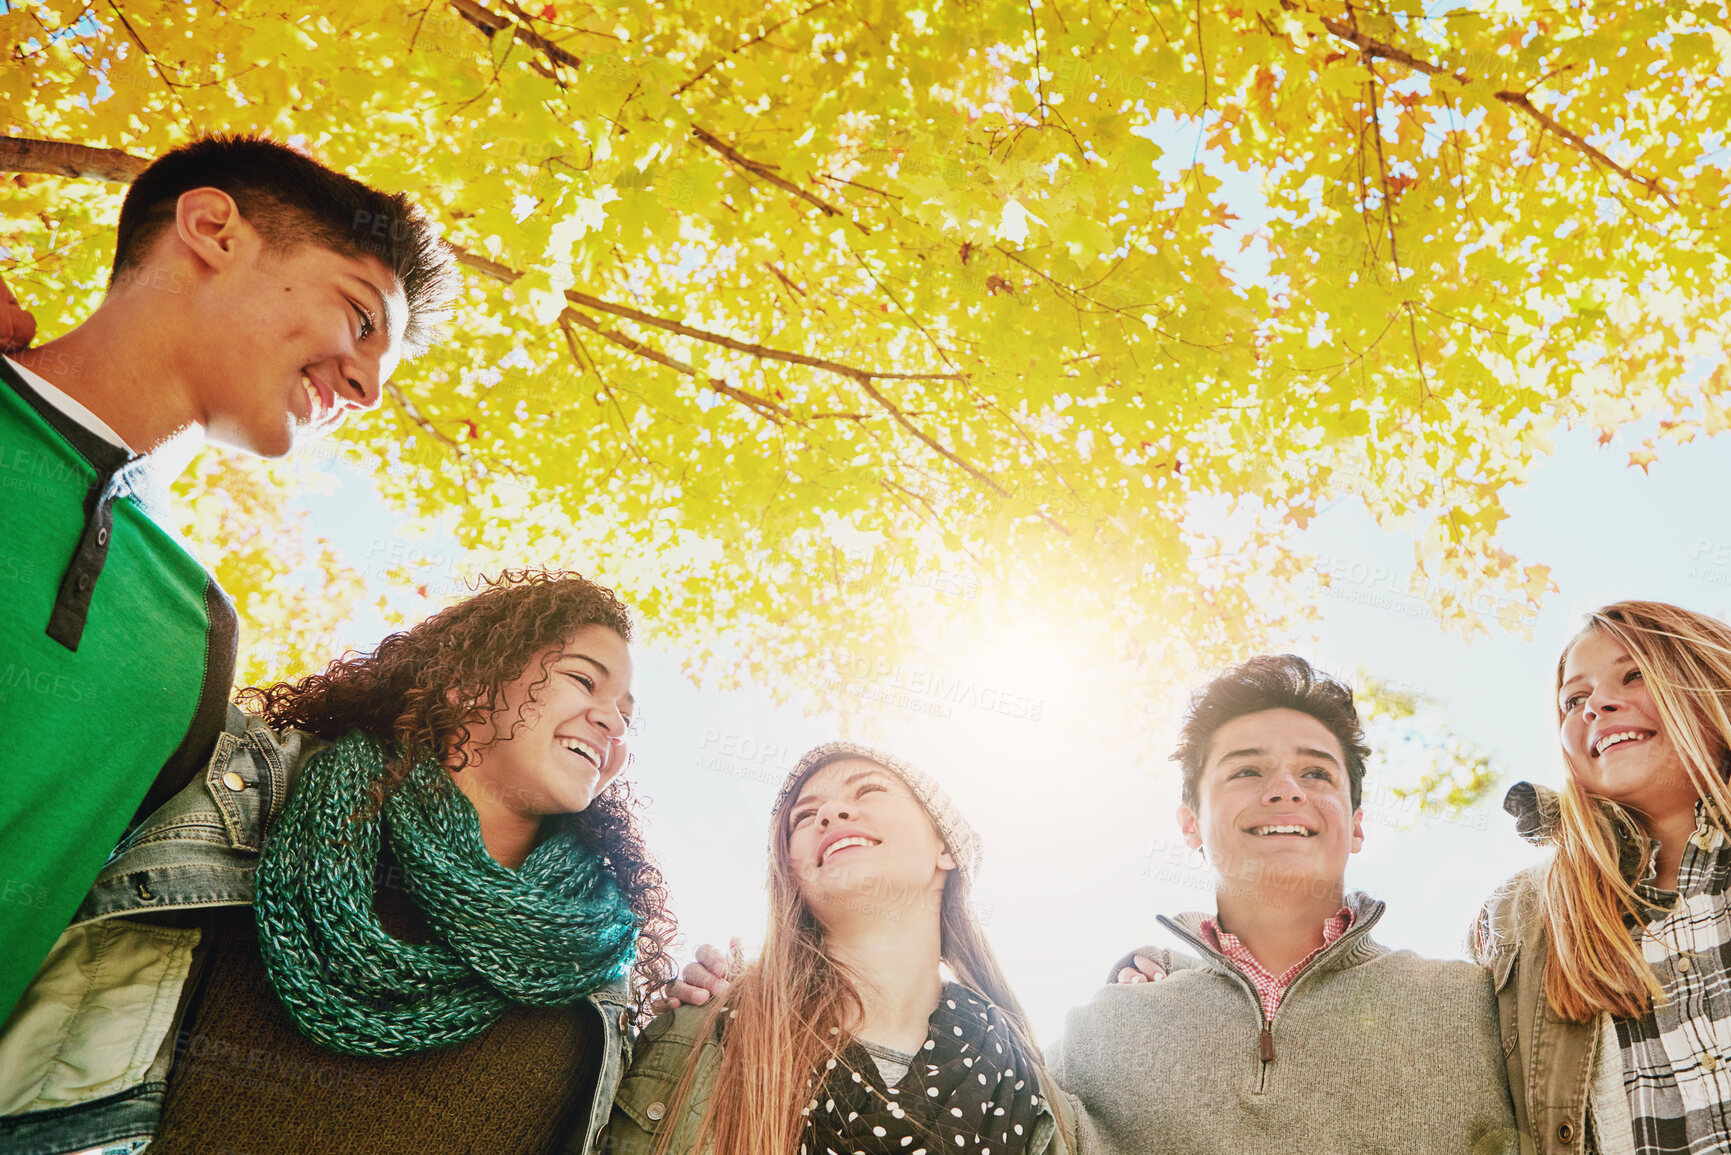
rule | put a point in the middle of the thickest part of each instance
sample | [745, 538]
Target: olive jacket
[642, 1108]
[1566, 1078]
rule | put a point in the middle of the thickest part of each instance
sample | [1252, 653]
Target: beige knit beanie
[959, 838]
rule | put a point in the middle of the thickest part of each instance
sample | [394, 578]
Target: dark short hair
[1270, 682]
[292, 200]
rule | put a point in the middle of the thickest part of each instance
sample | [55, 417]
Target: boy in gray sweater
[1296, 1032]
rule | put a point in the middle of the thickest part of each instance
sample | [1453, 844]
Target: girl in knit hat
[843, 1036]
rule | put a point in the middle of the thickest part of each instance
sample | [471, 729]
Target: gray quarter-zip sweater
[1372, 1051]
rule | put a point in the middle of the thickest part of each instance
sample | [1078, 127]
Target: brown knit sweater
[246, 1082]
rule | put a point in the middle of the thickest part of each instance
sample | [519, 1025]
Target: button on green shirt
[117, 649]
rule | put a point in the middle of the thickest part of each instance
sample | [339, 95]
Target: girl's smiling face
[559, 738]
[1613, 741]
[858, 840]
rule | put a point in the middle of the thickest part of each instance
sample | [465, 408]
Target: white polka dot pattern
[967, 1090]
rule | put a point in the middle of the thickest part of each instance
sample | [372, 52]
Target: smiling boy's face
[1274, 803]
[273, 342]
[311, 336]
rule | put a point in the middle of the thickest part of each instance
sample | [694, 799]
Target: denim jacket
[85, 1058]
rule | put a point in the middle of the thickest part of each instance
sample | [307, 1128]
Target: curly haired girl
[406, 908]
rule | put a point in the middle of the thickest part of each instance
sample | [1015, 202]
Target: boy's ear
[208, 223]
[1358, 830]
[1188, 823]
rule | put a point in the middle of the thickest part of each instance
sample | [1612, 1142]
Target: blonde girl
[1613, 960]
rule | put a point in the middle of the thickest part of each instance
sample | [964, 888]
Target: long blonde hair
[788, 1014]
[1595, 963]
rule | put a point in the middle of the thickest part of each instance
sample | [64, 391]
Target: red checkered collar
[1270, 988]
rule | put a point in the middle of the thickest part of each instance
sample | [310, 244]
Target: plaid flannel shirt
[1677, 1059]
[1271, 988]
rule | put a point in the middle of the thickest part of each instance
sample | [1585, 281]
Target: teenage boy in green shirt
[257, 297]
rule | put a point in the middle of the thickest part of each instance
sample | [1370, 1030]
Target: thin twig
[750, 349]
[492, 22]
[762, 405]
[737, 49]
[1201, 53]
[426, 426]
[155, 64]
[931, 443]
[758, 169]
[1039, 68]
[1370, 46]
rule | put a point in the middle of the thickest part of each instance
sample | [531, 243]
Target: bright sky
[1081, 847]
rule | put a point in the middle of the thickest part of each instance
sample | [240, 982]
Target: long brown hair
[1595, 963]
[403, 691]
[788, 1014]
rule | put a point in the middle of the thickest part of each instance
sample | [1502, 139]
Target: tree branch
[766, 352]
[757, 168]
[492, 23]
[931, 443]
[62, 158]
[1202, 55]
[1039, 65]
[155, 64]
[1372, 47]
[426, 426]
[1382, 180]
[762, 405]
[1519, 100]
[860, 377]
[759, 38]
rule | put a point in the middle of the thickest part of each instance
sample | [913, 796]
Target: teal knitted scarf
[549, 933]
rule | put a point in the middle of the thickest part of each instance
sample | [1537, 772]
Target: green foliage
[1092, 303]
[1423, 766]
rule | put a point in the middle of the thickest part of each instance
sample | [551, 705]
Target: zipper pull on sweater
[1267, 1044]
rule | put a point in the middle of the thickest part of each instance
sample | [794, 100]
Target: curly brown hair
[478, 647]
